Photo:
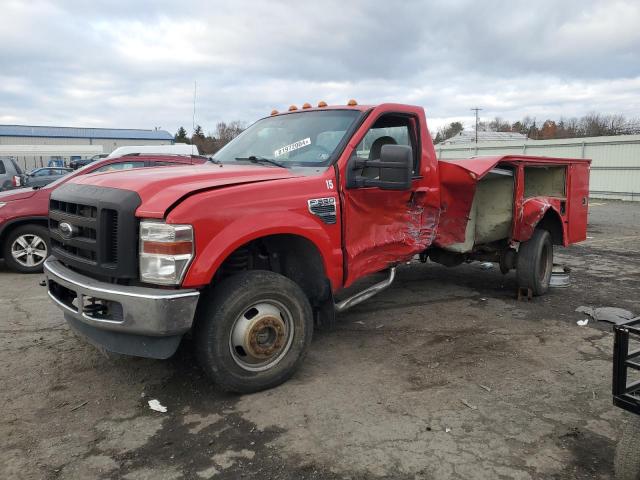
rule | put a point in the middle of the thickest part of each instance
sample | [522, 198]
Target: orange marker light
[274, 112]
[352, 103]
[306, 105]
[292, 108]
[322, 104]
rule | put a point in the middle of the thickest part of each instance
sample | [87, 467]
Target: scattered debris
[379, 326]
[486, 266]
[582, 323]
[359, 322]
[447, 430]
[467, 404]
[155, 405]
[79, 406]
[607, 314]
[483, 299]
[484, 387]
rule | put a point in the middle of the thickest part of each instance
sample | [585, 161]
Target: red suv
[24, 238]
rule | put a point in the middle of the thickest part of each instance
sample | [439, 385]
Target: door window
[389, 129]
[43, 172]
[3, 170]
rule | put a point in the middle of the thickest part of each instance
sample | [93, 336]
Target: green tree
[181, 136]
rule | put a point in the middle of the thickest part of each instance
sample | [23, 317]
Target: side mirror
[393, 170]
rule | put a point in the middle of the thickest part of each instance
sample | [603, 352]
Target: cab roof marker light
[322, 104]
[352, 103]
[274, 112]
[306, 106]
[293, 108]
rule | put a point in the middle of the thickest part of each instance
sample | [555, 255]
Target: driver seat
[374, 154]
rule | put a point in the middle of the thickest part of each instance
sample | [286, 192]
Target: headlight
[165, 252]
[2, 204]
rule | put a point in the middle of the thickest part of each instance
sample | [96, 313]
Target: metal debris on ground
[560, 276]
[582, 323]
[467, 404]
[155, 405]
[607, 314]
[486, 266]
[484, 387]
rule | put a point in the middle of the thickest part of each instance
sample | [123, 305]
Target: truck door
[382, 228]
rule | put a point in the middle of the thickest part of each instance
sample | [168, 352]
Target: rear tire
[26, 248]
[535, 262]
[627, 464]
[253, 331]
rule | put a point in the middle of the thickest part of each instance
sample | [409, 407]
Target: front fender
[212, 248]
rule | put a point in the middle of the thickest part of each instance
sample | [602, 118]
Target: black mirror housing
[395, 167]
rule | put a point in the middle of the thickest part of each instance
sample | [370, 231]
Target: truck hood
[17, 194]
[160, 188]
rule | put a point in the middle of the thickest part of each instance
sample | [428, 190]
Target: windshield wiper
[254, 159]
[213, 160]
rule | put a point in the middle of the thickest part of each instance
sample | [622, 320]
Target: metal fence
[615, 167]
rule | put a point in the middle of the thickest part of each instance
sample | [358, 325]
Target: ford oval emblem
[66, 230]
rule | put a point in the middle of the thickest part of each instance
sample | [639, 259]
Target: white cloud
[123, 64]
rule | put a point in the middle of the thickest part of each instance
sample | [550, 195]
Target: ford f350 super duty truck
[251, 250]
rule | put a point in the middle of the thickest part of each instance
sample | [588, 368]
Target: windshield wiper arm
[213, 160]
[254, 159]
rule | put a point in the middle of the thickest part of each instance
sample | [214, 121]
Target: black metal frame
[626, 394]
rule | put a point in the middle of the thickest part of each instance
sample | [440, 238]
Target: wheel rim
[29, 250]
[261, 336]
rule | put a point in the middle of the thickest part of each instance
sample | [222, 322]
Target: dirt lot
[445, 375]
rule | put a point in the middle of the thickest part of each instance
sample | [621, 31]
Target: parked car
[40, 177]
[11, 175]
[81, 162]
[24, 238]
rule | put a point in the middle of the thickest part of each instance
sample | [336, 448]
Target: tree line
[590, 125]
[212, 142]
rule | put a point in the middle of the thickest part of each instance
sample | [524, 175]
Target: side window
[3, 170]
[167, 164]
[42, 172]
[389, 129]
[112, 167]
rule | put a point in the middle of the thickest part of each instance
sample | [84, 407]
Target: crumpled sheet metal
[607, 314]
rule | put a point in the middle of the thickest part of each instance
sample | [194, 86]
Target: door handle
[418, 195]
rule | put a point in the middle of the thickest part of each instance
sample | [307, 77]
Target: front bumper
[139, 321]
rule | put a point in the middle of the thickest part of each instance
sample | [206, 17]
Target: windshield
[296, 139]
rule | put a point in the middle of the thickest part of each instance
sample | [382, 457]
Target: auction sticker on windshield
[292, 147]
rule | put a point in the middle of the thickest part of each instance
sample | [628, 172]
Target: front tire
[627, 462]
[535, 262]
[253, 331]
[26, 248]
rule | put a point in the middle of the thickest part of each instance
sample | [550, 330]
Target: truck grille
[94, 230]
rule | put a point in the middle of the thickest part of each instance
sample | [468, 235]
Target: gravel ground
[444, 375]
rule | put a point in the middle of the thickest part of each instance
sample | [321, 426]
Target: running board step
[367, 293]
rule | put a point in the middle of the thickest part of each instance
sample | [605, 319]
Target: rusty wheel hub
[261, 336]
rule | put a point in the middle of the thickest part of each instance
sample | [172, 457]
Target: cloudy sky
[128, 63]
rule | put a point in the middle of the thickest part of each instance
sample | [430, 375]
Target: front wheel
[26, 248]
[535, 262]
[252, 332]
[627, 457]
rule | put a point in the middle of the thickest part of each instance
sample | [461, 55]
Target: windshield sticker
[292, 147]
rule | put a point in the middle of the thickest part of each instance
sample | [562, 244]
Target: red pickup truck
[249, 250]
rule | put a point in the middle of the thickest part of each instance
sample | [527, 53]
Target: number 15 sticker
[329, 184]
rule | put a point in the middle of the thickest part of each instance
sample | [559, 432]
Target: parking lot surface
[444, 375]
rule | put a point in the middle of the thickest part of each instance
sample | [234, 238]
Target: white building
[34, 146]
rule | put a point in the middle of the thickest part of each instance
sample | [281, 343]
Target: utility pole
[476, 109]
